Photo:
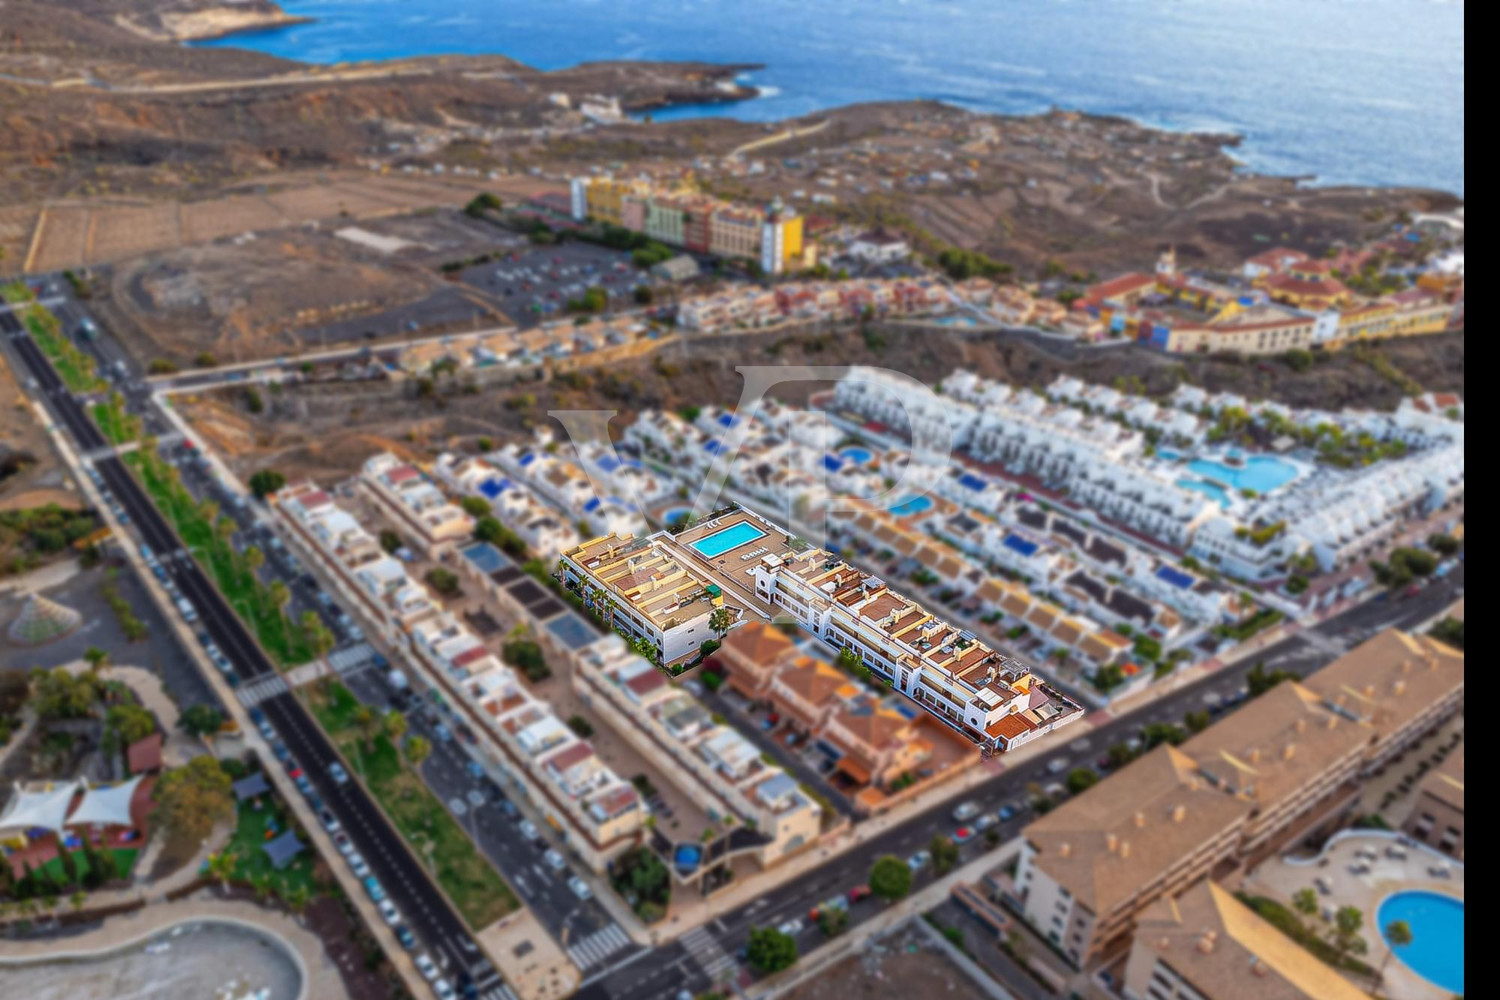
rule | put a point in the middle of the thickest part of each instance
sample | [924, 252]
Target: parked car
[374, 888]
[1057, 765]
[791, 928]
[555, 860]
[528, 829]
[984, 822]
[330, 821]
[580, 888]
[963, 835]
[358, 865]
[425, 966]
[337, 772]
[388, 912]
[965, 812]
[919, 861]
[443, 990]
[406, 937]
[343, 843]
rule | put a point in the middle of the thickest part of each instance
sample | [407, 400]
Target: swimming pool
[911, 504]
[671, 517]
[732, 537]
[1436, 952]
[1210, 490]
[1261, 473]
[859, 456]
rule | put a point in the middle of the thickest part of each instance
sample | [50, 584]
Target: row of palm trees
[222, 866]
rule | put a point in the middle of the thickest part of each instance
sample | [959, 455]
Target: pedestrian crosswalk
[598, 946]
[258, 690]
[501, 992]
[704, 949]
[351, 658]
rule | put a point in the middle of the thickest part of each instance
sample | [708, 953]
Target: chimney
[1255, 756]
[1140, 819]
[1206, 942]
[1259, 968]
[1064, 849]
[1301, 725]
[1406, 666]
[1369, 690]
[1291, 749]
[1333, 721]
[1111, 842]
[1125, 849]
[1179, 813]
[1398, 689]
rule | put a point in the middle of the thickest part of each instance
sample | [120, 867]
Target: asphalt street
[409, 886]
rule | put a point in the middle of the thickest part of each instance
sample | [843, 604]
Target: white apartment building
[543, 530]
[414, 504]
[526, 746]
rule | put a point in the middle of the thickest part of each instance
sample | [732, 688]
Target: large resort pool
[715, 545]
[1261, 474]
[1436, 952]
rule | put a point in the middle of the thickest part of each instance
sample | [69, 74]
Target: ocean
[1366, 92]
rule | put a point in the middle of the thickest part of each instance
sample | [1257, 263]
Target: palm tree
[97, 658]
[367, 721]
[1306, 902]
[395, 726]
[281, 597]
[1397, 935]
[224, 529]
[254, 558]
[208, 510]
[221, 865]
[720, 620]
[78, 899]
[418, 749]
[297, 899]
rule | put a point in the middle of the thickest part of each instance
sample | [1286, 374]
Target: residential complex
[524, 744]
[1283, 300]
[1278, 769]
[418, 508]
[1438, 816]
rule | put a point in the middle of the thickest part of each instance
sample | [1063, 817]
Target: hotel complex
[772, 237]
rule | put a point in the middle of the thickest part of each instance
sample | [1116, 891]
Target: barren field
[30, 474]
[294, 289]
[328, 430]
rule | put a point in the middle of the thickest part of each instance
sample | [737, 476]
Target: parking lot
[536, 284]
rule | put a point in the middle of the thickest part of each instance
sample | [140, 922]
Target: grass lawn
[76, 368]
[124, 858]
[247, 595]
[112, 422]
[16, 292]
[254, 828]
[478, 892]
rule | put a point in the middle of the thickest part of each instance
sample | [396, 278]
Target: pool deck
[320, 977]
[1281, 878]
[732, 569]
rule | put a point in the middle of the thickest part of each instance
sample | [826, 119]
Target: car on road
[374, 888]
[388, 912]
[475, 797]
[963, 835]
[965, 812]
[343, 843]
[580, 888]
[266, 729]
[281, 751]
[458, 806]
[442, 732]
[358, 865]
[555, 860]
[528, 829]
[303, 782]
[425, 966]
[330, 821]
[1057, 765]
[406, 937]
[984, 822]
[443, 990]
[1006, 813]
[791, 928]
[831, 903]
[919, 860]
[857, 893]
[337, 772]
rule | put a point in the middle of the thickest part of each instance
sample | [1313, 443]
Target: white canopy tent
[106, 806]
[44, 809]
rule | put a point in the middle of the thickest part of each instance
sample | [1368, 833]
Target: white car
[528, 829]
[580, 888]
[792, 927]
[443, 990]
[389, 912]
[426, 967]
[358, 866]
[1057, 766]
[555, 860]
[965, 812]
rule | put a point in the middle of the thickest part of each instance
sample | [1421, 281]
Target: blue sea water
[1345, 91]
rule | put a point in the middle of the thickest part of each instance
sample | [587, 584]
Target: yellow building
[606, 198]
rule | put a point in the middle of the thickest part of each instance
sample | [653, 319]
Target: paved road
[403, 878]
[706, 956]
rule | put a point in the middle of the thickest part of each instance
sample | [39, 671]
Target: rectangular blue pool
[732, 537]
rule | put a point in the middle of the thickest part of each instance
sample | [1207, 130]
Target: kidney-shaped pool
[1436, 952]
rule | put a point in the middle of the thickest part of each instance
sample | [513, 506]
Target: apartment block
[1207, 945]
[1286, 765]
[521, 742]
[1437, 818]
[415, 504]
